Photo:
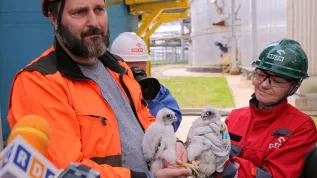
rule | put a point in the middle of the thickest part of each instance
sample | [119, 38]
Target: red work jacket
[269, 143]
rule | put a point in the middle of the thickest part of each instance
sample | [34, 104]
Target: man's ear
[53, 20]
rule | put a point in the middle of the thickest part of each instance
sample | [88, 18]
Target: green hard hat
[285, 57]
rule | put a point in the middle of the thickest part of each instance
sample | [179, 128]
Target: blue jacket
[164, 99]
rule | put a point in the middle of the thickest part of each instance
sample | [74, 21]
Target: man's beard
[81, 48]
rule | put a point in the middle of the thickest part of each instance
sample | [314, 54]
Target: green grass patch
[198, 92]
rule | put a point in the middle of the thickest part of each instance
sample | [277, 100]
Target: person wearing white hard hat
[134, 52]
[132, 49]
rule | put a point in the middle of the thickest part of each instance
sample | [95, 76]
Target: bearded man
[89, 96]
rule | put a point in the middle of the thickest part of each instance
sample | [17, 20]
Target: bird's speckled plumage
[201, 138]
[159, 140]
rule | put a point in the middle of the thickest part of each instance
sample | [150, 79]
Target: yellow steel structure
[163, 18]
[135, 8]
[144, 16]
[130, 2]
[148, 21]
[112, 3]
[153, 13]
[154, 9]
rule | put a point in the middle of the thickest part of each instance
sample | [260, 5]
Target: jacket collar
[269, 114]
[69, 68]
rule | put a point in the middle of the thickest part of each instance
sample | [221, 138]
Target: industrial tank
[211, 24]
[263, 21]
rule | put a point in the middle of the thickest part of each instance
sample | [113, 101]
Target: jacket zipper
[101, 118]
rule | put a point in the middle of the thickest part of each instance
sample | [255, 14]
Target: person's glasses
[274, 80]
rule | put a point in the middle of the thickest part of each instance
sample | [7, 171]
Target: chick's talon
[182, 165]
[193, 162]
[193, 166]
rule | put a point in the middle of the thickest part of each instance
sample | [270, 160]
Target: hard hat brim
[134, 58]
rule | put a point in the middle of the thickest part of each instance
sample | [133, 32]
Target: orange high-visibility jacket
[83, 125]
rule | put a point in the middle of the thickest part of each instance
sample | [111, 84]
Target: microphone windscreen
[35, 130]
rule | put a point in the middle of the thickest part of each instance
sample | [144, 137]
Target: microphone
[24, 154]
[78, 171]
[35, 130]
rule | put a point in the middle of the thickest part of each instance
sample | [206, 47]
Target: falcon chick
[159, 140]
[204, 135]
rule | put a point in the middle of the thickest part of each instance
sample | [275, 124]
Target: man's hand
[181, 156]
[181, 153]
[173, 172]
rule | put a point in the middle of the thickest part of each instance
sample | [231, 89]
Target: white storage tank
[263, 22]
[211, 22]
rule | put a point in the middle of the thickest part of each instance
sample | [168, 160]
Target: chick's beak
[174, 118]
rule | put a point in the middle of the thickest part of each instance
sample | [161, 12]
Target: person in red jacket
[271, 138]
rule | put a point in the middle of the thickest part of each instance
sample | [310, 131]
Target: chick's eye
[169, 116]
[208, 113]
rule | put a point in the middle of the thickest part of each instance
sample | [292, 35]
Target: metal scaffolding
[169, 49]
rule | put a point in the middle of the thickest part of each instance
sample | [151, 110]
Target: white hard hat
[130, 47]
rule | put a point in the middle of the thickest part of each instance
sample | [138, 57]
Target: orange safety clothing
[83, 126]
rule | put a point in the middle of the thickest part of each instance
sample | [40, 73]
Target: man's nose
[92, 20]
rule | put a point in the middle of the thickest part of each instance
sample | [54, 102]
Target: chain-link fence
[168, 55]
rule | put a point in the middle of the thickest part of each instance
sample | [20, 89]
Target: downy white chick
[202, 137]
[159, 140]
